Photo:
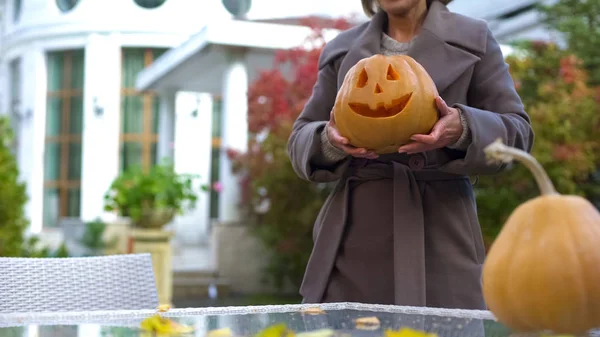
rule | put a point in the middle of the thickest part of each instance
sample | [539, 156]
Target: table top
[247, 321]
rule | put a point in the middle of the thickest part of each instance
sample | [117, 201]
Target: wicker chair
[119, 282]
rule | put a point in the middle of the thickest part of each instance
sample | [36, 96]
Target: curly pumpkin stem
[498, 152]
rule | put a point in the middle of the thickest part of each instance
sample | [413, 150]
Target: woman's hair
[370, 7]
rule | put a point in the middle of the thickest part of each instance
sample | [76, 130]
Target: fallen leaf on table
[317, 333]
[367, 323]
[408, 332]
[313, 311]
[224, 332]
[277, 330]
[164, 326]
[163, 308]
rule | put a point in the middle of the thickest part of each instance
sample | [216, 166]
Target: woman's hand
[446, 131]
[342, 142]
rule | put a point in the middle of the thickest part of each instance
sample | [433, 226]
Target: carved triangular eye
[362, 79]
[392, 74]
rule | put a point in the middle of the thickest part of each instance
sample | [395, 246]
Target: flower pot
[155, 218]
[157, 242]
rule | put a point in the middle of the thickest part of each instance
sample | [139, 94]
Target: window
[16, 10]
[149, 3]
[215, 161]
[139, 111]
[237, 8]
[64, 125]
[15, 102]
[66, 5]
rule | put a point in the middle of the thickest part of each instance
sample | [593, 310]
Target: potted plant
[150, 199]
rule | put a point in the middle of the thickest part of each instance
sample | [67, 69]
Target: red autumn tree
[282, 207]
[565, 117]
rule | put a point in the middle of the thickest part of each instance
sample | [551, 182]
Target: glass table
[343, 318]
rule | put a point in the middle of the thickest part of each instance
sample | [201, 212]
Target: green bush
[13, 197]
[579, 23]
[565, 117]
[93, 238]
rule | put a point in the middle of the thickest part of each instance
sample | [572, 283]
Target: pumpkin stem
[498, 152]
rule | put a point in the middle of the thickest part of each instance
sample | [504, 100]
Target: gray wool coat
[403, 229]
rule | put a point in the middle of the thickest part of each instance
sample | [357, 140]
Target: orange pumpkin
[543, 270]
[383, 101]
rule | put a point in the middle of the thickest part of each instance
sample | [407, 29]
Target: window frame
[148, 139]
[65, 138]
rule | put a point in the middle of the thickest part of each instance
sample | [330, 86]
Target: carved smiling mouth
[382, 110]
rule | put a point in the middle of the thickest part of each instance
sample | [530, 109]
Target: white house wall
[192, 155]
[101, 132]
[102, 28]
[43, 18]
[32, 133]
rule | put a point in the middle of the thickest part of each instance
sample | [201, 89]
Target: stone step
[196, 285]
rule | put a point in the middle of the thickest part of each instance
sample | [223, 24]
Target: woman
[402, 228]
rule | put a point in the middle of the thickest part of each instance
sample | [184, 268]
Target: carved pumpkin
[383, 101]
[543, 270]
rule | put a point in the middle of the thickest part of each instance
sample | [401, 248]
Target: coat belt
[409, 230]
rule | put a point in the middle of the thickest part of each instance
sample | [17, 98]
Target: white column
[5, 92]
[234, 133]
[102, 110]
[33, 132]
[192, 155]
[166, 124]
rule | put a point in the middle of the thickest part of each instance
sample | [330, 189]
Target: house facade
[67, 74]
[94, 87]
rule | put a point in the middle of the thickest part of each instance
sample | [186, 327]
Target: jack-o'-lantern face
[383, 101]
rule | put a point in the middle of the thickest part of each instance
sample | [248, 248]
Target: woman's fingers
[342, 142]
[359, 152]
[336, 138]
[442, 106]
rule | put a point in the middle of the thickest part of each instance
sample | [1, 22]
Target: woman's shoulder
[339, 45]
[469, 32]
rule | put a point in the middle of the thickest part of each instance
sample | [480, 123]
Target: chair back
[118, 282]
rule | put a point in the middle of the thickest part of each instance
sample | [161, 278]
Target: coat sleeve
[494, 111]
[305, 145]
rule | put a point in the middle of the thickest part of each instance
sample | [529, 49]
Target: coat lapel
[437, 47]
[367, 44]
[434, 49]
